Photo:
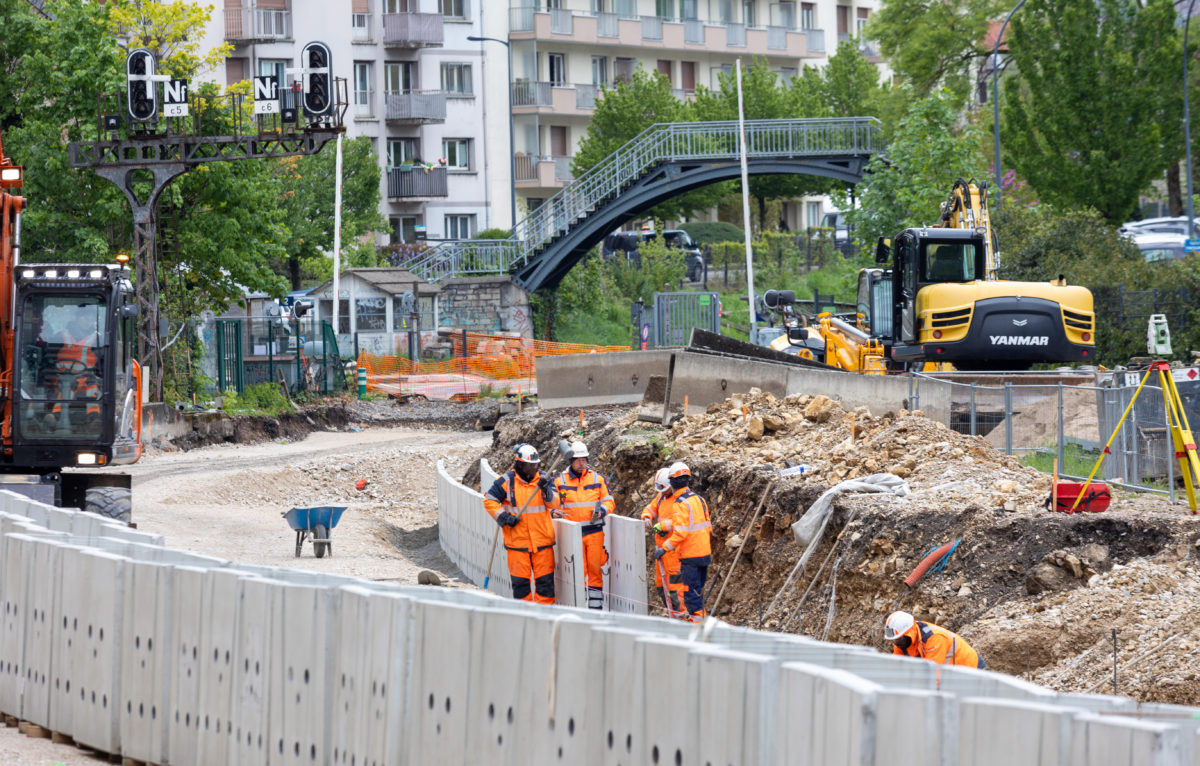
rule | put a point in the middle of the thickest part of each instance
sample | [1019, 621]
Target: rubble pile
[834, 445]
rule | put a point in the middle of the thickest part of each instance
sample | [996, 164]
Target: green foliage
[306, 203]
[709, 232]
[260, 399]
[932, 44]
[1089, 120]
[929, 151]
[494, 233]
[624, 111]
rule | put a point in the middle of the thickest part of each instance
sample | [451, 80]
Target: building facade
[413, 82]
[565, 52]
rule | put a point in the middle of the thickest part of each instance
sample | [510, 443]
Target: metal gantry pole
[1187, 125]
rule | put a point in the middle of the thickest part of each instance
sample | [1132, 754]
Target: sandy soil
[227, 500]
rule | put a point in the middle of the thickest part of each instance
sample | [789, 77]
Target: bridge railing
[657, 144]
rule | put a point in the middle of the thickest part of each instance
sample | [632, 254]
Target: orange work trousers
[594, 559]
[532, 574]
[670, 564]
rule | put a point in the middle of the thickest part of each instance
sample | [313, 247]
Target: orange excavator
[70, 388]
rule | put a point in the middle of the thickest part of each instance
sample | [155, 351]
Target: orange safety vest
[691, 525]
[580, 495]
[77, 354]
[535, 531]
[655, 512]
[936, 644]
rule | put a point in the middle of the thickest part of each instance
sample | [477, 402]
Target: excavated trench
[1008, 562]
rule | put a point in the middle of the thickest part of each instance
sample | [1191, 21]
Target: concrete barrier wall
[620, 378]
[161, 656]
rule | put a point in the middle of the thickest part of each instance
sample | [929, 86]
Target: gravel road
[226, 501]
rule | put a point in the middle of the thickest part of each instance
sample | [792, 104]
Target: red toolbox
[1095, 499]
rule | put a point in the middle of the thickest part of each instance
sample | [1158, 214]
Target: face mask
[904, 642]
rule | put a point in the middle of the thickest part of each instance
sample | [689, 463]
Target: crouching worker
[521, 501]
[913, 638]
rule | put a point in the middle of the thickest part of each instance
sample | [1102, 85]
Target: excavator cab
[75, 379]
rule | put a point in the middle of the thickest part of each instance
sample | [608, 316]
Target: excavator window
[62, 342]
[948, 262]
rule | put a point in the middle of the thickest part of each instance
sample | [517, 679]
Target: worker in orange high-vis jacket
[691, 528]
[656, 518]
[75, 372]
[585, 498]
[521, 502]
[913, 638]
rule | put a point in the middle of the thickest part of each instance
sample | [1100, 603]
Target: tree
[1088, 119]
[849, 84]
[928, 152]
[935, 44]
[622, 113]
[306, 201]
[763, 97]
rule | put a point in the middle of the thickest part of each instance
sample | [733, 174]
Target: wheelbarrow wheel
[320, 533]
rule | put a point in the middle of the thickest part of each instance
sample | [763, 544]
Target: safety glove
[658, 553]
[506, 519]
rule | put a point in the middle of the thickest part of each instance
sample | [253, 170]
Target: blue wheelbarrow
[314, 524]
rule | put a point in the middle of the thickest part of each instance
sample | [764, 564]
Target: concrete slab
[570, 575]
[830, 717]
[258, 604]
[299, 711]
[988, 733]
[586, 380]
[144, 653]
[443, 665]
[96, 646]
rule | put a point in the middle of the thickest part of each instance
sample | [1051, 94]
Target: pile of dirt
[1012, 558]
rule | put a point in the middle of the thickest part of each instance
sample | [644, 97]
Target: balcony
[525, 93]
[735, 35]
[416, 183]
[251, 25]
[585, 96]
[416, 107]
[413, 30]
[815, 39]
[545, 172]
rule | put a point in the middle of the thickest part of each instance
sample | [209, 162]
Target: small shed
[379, 309]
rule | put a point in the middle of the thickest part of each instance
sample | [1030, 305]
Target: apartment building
[414, 85]
[564, 52]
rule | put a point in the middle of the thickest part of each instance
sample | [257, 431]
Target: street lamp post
[1187, 127]
[512, 148]
[996, 95]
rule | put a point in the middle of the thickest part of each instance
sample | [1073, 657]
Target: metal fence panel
[675, 314]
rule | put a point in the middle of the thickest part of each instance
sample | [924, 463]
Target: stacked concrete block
[726, 733]
[298, 713]
[188, 617]
[16, 569]
[987, 728]
[625, 587]
[252, 669]
[93, 593]
[830, 717]
[1111, 741]
[41, 629]
[145, 671]
[442, 669]
[625, 701]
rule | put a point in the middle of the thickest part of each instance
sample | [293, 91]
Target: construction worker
[521, 502]
[76, 376]
[585, 498]
[691, 528]
[913, 638]
[668, 564]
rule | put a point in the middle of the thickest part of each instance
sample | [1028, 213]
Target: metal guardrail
[526, 93]
[418, 182]
[815, 40]
[658, 144]
[257, 24]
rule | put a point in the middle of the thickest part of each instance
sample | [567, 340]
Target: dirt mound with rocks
[1013, 562]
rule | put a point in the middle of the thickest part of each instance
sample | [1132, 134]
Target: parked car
[842, 241]
[1174, 225]
[1158, 247]
[678, 239]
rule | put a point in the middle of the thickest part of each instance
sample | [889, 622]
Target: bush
[711, 232]
[493, 234]
[260, 399]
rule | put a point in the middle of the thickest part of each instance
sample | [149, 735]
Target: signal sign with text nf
[175, 94]
[266, 95]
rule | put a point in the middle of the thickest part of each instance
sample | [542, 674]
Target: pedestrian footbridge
[158, 655]
[662, 162]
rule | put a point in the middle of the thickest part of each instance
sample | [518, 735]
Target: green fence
[301, 354]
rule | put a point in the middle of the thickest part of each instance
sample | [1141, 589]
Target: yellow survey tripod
[1177, 424]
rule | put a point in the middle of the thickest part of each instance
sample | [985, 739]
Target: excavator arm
[967, 208]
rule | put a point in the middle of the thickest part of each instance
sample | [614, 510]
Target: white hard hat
[679, 469]
[898, 623]
[578, 449]
[526, 453]
[662, 480]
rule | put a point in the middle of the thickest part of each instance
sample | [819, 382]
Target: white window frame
[812, 214]
[808, 15]
[561, 58]
[600, 71]
[453, 151]
[457, 8]
[459, 226]
[457, 79]
[407, 149]
[360, 27]
[364, 90]
[275, 67]
[393, 76]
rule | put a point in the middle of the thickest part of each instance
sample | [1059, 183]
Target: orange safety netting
[489, 363]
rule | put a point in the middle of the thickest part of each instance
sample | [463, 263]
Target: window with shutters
[235, 70]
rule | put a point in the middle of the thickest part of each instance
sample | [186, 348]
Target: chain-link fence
[1070, 418]
[299, 353]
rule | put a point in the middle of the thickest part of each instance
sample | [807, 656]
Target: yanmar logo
[1020, 340]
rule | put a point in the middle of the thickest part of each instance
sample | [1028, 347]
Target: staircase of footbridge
[661, 162]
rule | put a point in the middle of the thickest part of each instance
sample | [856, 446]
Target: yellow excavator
[943, 304]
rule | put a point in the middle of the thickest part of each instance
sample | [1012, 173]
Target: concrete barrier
[163, 656]
[586, 380]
